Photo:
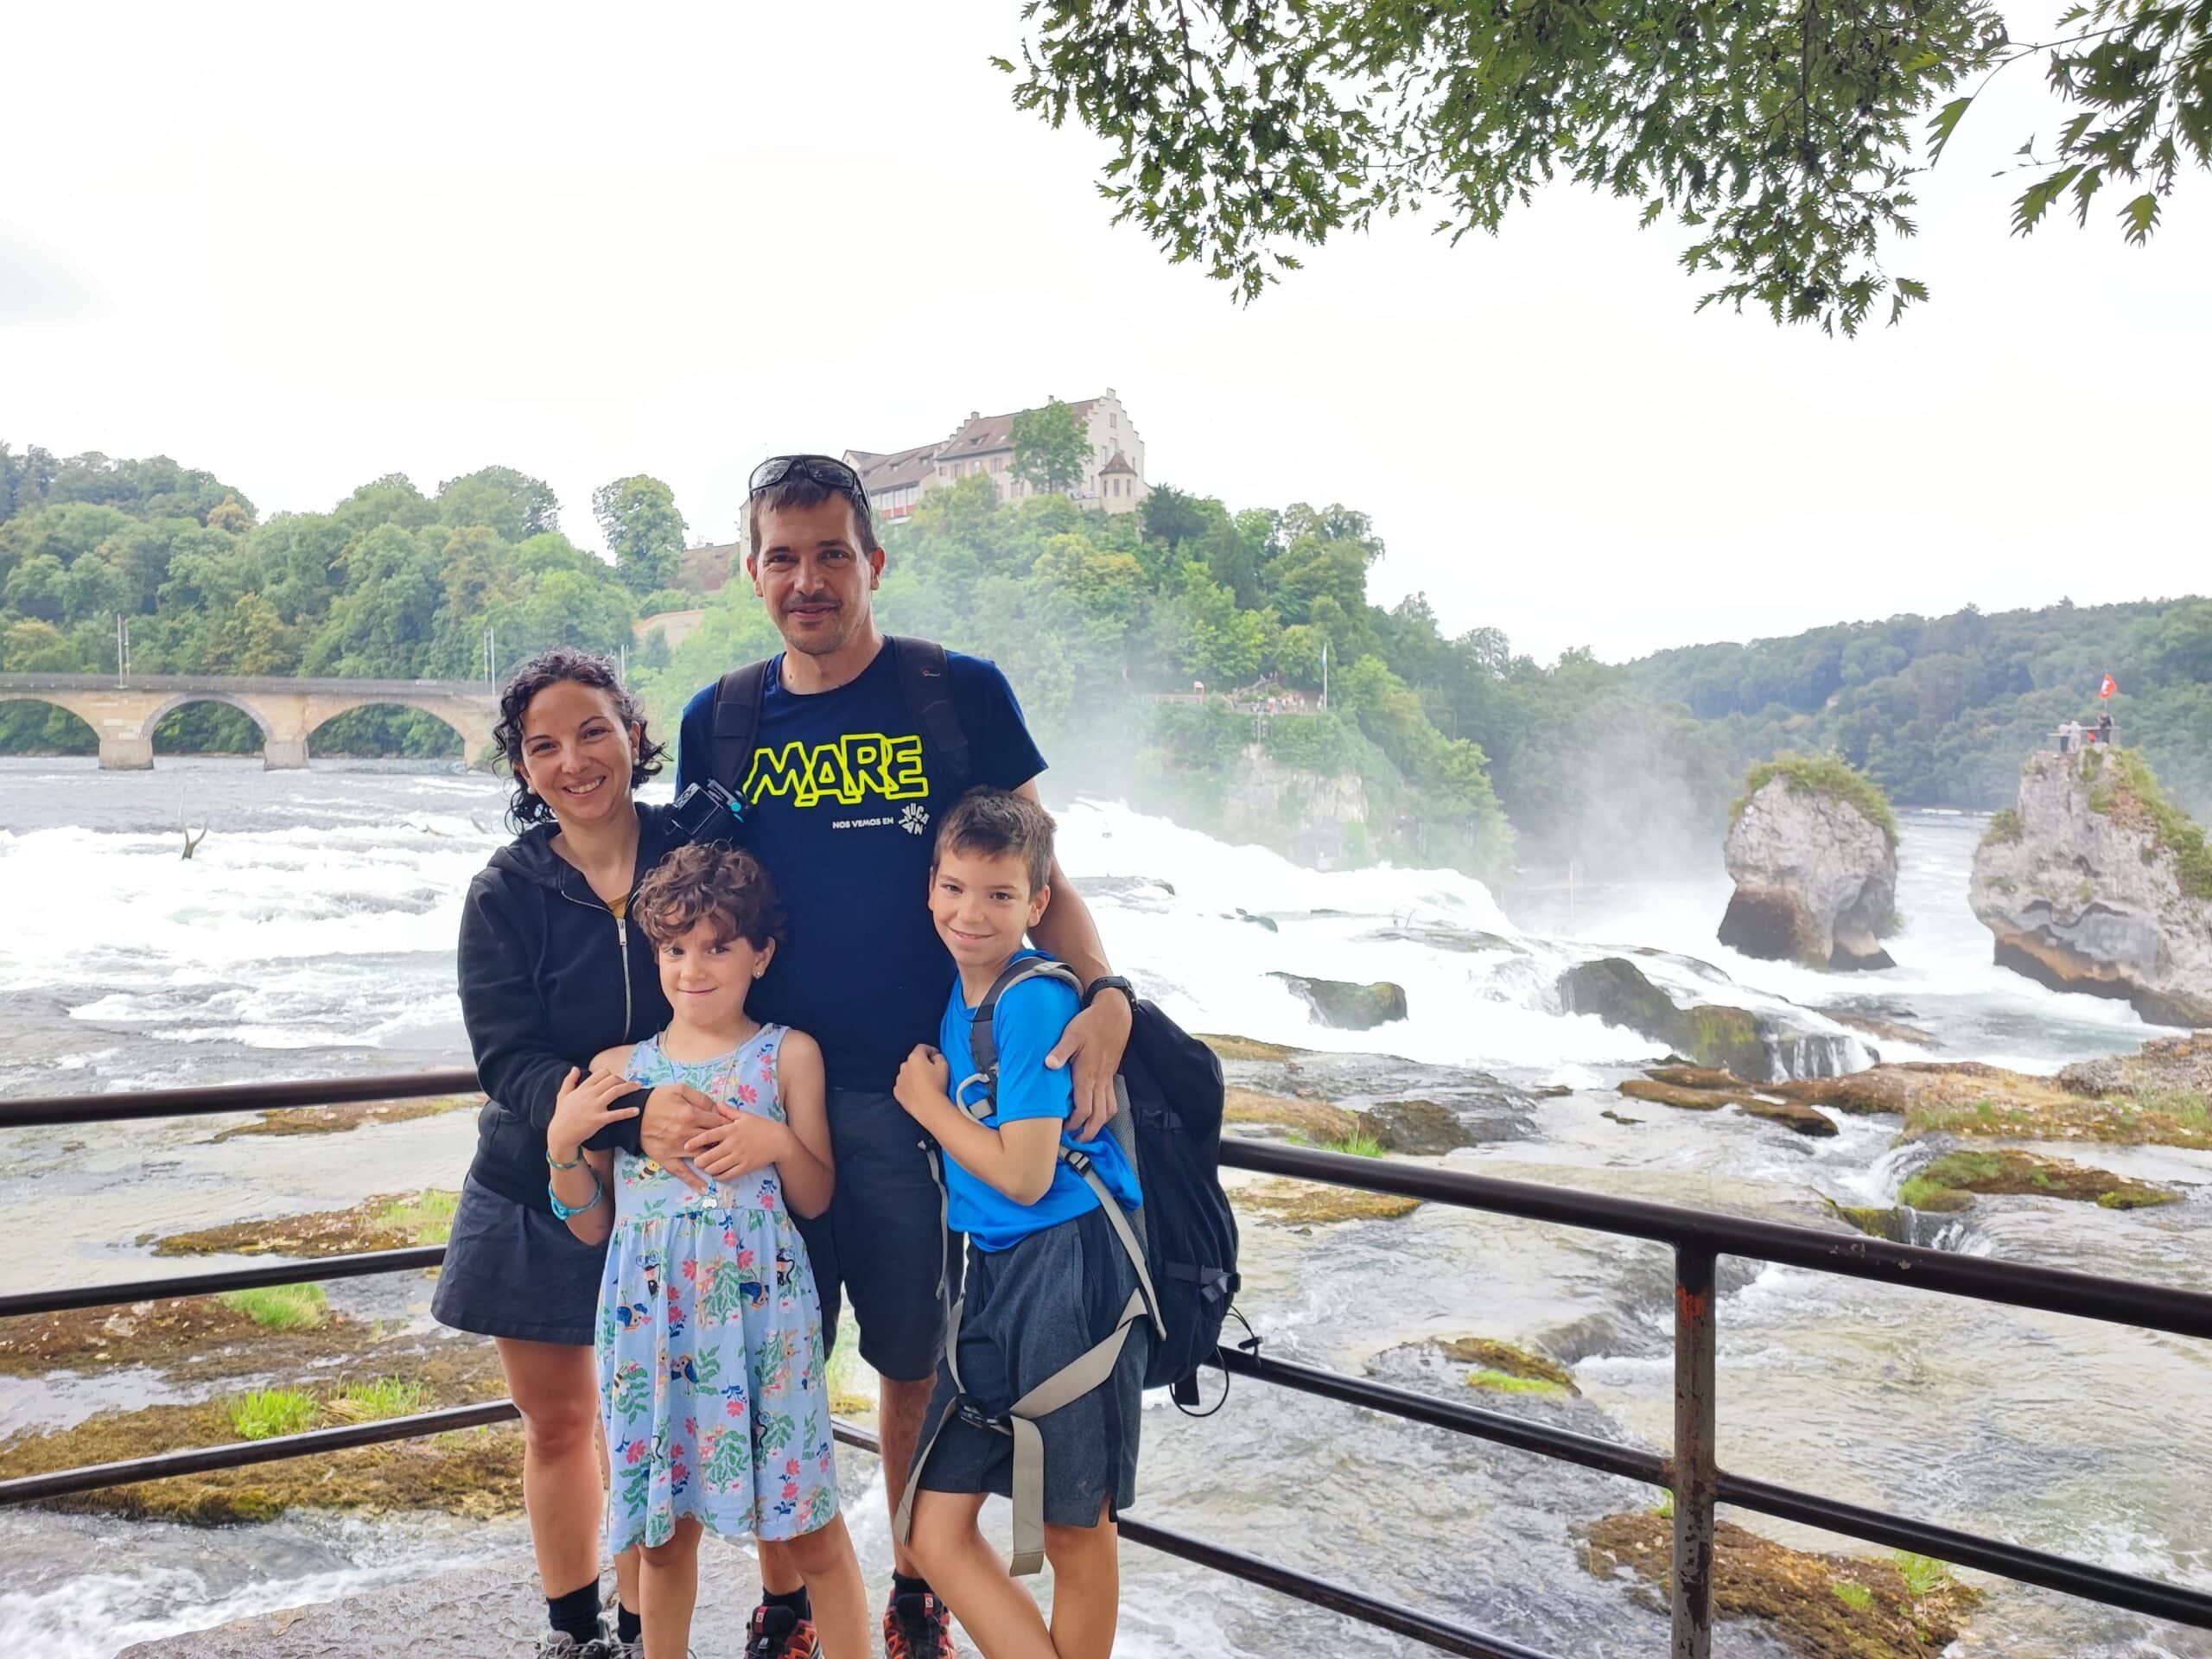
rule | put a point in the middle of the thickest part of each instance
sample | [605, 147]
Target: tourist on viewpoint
[712, 1372]
[551, 972]
[843, 751]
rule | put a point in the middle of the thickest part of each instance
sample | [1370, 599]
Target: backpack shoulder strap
[737, 696]
[983, 1044]
[925, 682]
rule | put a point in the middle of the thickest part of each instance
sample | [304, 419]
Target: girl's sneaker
[779, 1633]
[918, 1627]
[560, 1645]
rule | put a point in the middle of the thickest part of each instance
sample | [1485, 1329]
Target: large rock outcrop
[2095, 883]
[1815, 873]
[1758, 1047]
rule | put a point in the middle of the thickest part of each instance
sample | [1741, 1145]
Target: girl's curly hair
[564, 663]
[703, 879]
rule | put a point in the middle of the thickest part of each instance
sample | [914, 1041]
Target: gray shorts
[882, 1241]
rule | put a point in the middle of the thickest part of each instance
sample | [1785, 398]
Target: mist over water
[312, 934]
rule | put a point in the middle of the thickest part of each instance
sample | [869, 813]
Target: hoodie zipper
[621, 947]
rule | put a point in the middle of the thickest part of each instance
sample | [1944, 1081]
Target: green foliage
[376, 1399]
[644, 531]
[267, 1413]
[2005, 826]
[1051, 449]
[1783, 137]
[388, 584]
[1357, 1144]
[279, 1307]
[427, 1218]
[2134, 784]
[1923, 1574]
[1821, 774]
[1852, 1594]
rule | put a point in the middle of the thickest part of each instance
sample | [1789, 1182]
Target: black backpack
[1184, 1242]
[923, 680]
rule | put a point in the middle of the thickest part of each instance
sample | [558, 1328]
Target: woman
[552, 971]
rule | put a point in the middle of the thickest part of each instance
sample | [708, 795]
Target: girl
[712, 1369]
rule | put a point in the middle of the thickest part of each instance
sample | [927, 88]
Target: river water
[311, 934]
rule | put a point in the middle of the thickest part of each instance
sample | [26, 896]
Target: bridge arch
[317, 743]
[27, 717]
[257, 717]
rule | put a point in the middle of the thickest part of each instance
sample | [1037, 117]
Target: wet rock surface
[1755, 1046]
[1816, 880]
[1420, 1128]
[1820, 1607]
[391, 1221]
[354, 1115]
[1295, 1202]
[1965, 1098]
[2165, 1068]
[1345, 1005]
[1703, 1089]
[2091, 884]
[1949, 1183]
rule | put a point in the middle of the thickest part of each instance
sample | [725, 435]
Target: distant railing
[1692, 1474]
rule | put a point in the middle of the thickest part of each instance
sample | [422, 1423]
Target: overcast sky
[303, 247]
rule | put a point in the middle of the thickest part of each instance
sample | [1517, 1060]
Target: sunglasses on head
[825, 470]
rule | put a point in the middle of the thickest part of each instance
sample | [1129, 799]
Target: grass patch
[374, 1401]
[426, 1219]
[2004, 826]
[1664, 1508]
[279, 1307]
[1857, 1596]
[1947, 1184]
[267, 1413]
[1505, 1383]
[1358, 1144]
[2127, 786]
[1923, 1574]
[1828, 775]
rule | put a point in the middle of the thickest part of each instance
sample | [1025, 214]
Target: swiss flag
[2108, 688]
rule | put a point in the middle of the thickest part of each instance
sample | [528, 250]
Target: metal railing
[1692, 1473]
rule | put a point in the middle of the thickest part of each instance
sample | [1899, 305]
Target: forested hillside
[1467, 754]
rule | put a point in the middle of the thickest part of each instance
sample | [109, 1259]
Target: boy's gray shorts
[882, 1241]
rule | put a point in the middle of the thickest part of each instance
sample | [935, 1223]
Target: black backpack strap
[737, 696]
[983, 1046]
[925, 682]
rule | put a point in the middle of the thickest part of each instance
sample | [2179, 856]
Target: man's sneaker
[779, 1633]
[559, 1644]
[918, 1627]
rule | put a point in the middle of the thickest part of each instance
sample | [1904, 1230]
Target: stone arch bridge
[124, 712]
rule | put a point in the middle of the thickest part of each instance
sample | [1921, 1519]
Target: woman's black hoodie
[549, 977]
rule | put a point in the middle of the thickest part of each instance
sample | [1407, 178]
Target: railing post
[1696, 1470]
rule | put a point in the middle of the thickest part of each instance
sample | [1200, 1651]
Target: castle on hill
[1113, 479]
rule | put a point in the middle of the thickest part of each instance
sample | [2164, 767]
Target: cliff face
[2091, 884]
[1314, 817]
[1816, 880]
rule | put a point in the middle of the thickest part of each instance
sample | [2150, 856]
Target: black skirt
[516, 1270]
[1029, 1311]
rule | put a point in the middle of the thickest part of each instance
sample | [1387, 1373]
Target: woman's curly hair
[564, 663]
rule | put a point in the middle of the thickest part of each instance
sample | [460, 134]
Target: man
[843, 785]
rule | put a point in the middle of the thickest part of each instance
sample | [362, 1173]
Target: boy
[1047, 1277]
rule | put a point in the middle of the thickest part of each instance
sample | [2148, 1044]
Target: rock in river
[1813, 853]
[1416, 1126]
[1753, 1046]
[1348, 1007]
[2095, 883]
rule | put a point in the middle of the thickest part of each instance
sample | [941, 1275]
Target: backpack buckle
[1077, 1161]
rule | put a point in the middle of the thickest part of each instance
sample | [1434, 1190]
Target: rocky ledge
[2096, 883]
[1812, 854]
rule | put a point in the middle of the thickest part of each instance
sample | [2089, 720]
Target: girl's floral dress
[711, 1373]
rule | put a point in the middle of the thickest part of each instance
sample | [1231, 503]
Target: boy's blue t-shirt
[843, 793]
[1029, 1020]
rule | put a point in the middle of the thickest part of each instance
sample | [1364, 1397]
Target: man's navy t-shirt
[843, 794]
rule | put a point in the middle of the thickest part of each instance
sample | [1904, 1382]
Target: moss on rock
[1967, 1099]
[1501, 1366]
[1246, 1048]
[1317, 1120]
[191, 1337]
[1708, 1096]
[1279, 1199]
[391, 1221]
[1950, 1182]
[341, 1119]
[1820, 1607]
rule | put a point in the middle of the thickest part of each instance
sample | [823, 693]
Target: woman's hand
[675, 1113]
[922, 1081]
[740, 1144]
[581, 1110]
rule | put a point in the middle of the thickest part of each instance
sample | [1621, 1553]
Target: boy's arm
[1016, 1158]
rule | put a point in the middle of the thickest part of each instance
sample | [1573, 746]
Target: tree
[1051, 450]
[1782, 136]
[644, 531]
[1171, 516]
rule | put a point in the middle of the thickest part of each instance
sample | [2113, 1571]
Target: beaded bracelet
[564, 1211]
[556, 1164]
